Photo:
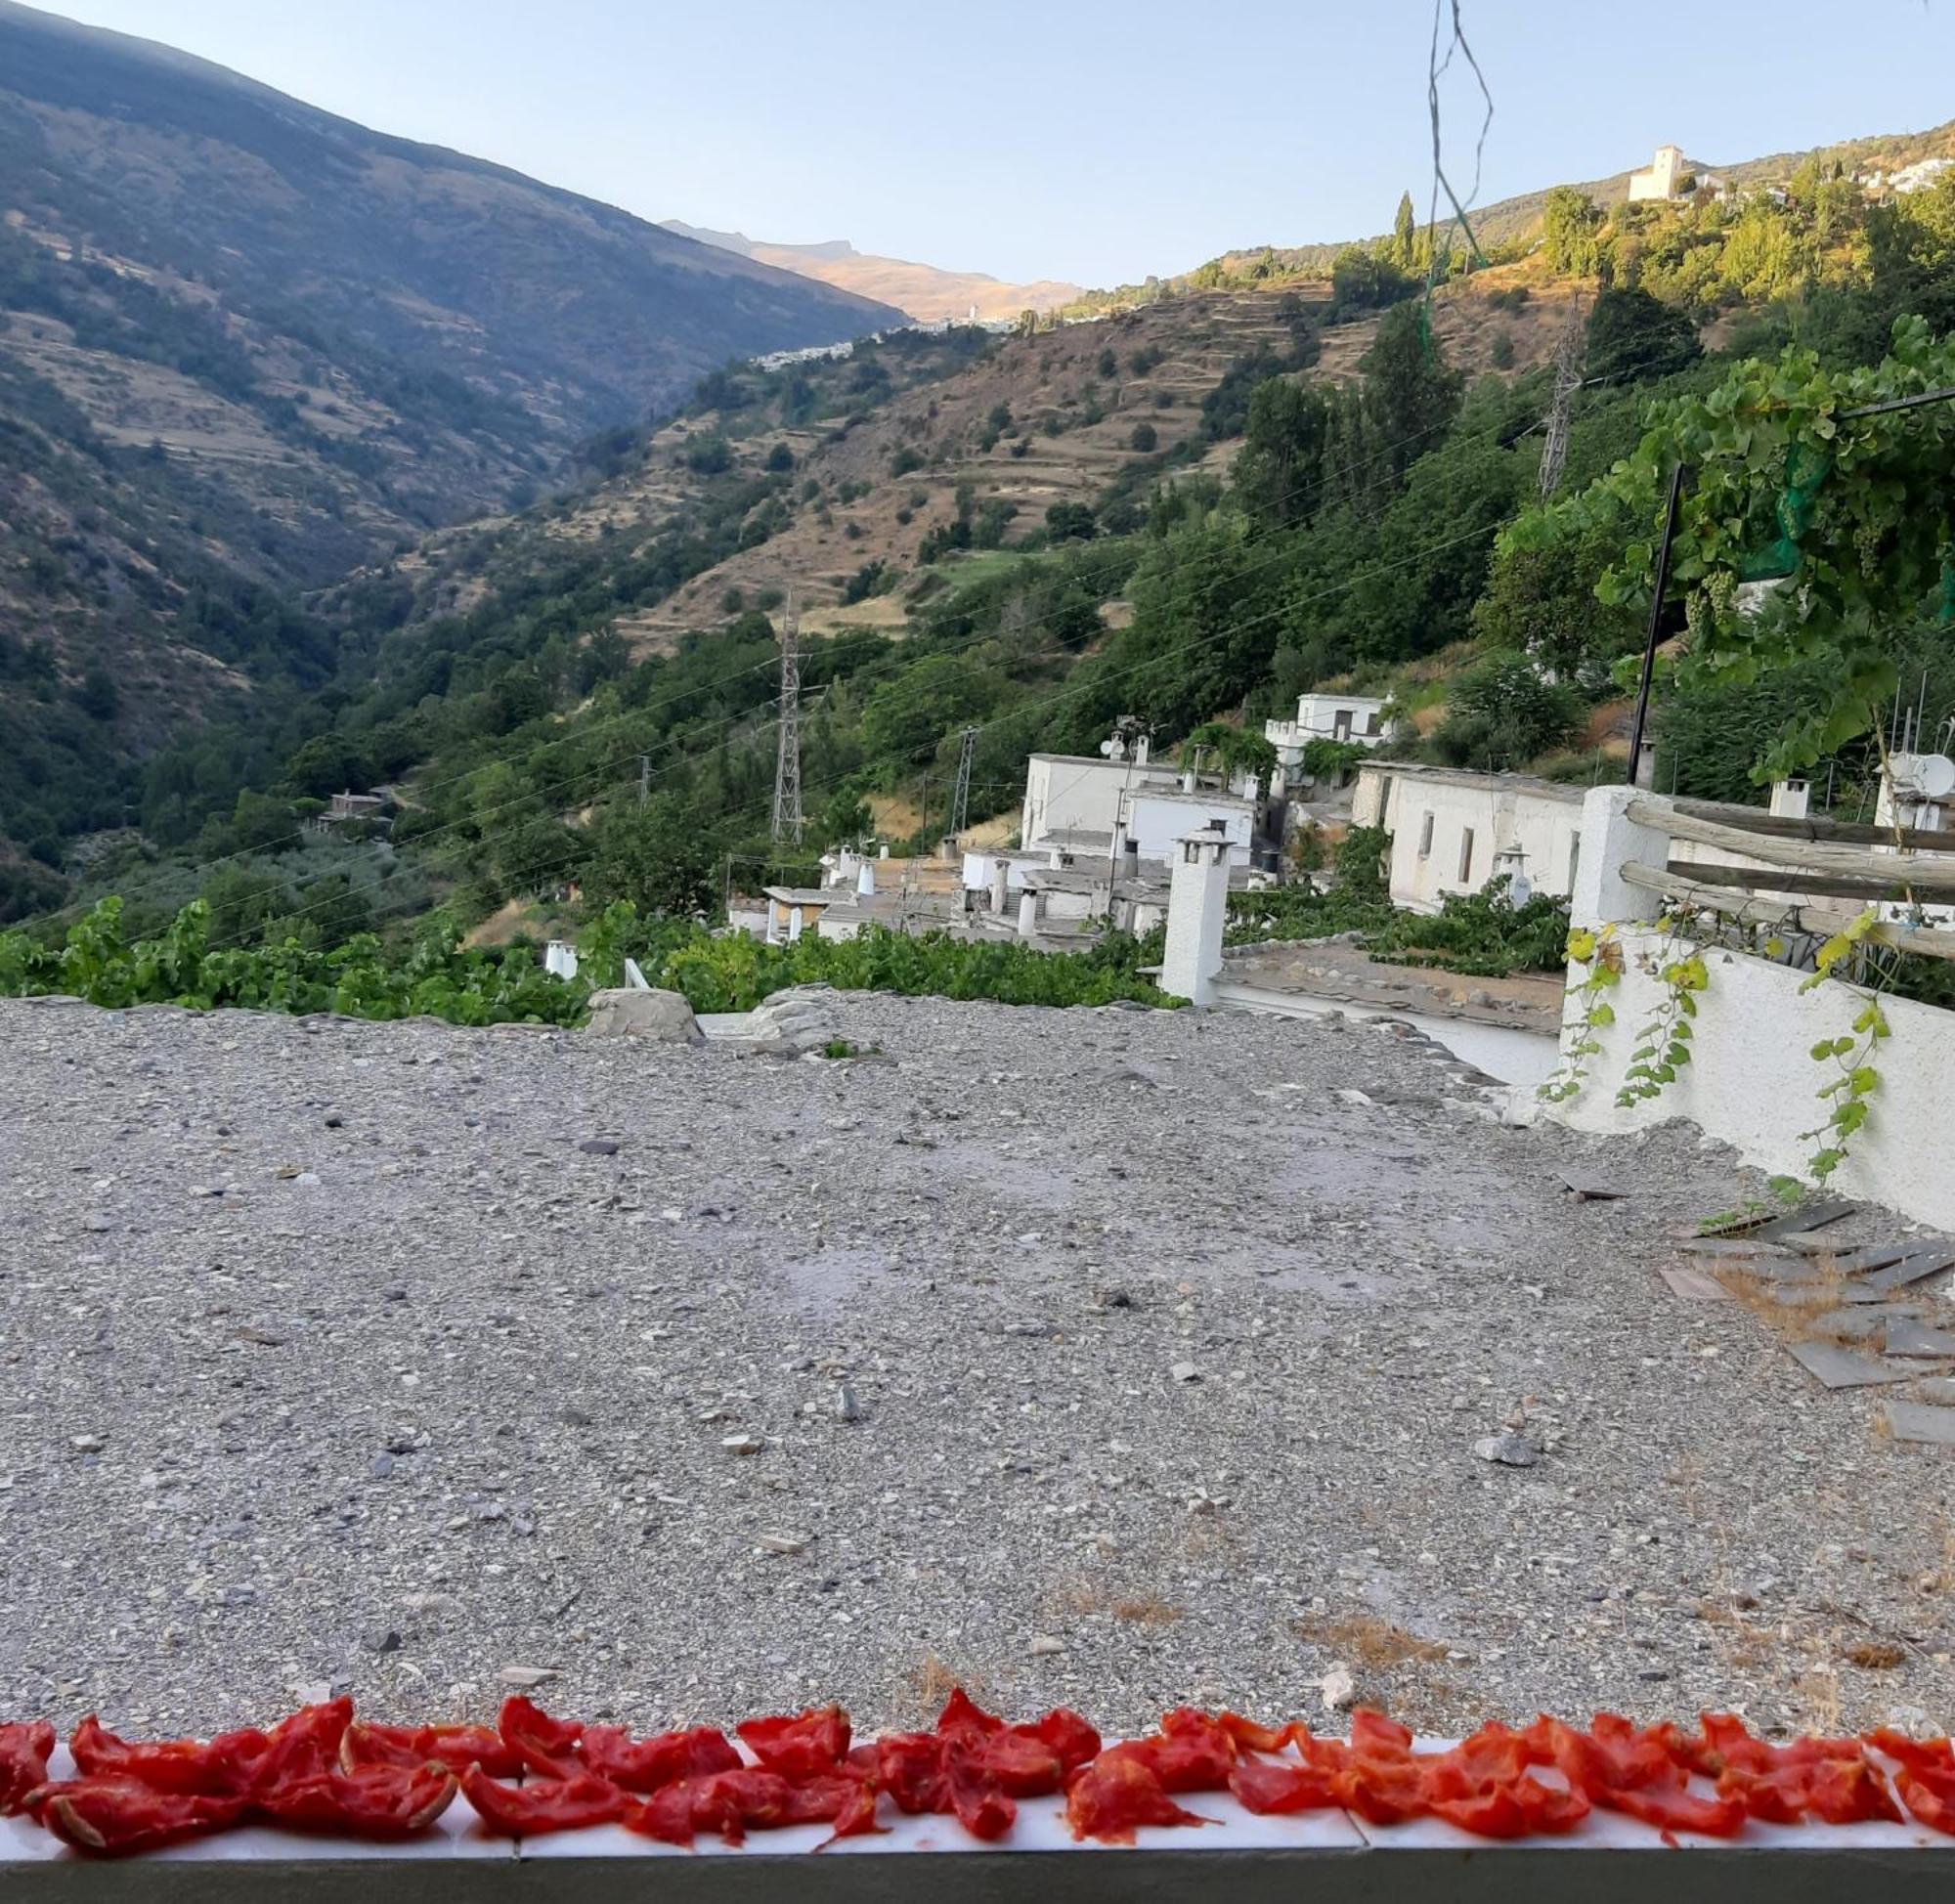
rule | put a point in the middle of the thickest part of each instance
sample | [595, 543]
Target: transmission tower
[1567, 381]
[787, 764]
[960, 802]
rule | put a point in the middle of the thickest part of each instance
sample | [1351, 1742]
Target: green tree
[1504, 713]
[1571, 234]
[1278, 470]
[1405, 234]
[1411, 396]
[655, 856]
[1633, 337]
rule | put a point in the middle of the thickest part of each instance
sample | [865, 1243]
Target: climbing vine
[1662, 1041]
[1600, 951]
[1851, 1078]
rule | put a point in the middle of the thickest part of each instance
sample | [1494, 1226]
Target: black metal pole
[1656, 623]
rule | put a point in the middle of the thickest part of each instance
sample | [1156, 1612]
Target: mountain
[923, 291]
[247, 345]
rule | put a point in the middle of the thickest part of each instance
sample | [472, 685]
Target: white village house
[1359, 719]
[1452, 830]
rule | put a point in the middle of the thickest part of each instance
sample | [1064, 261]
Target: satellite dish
[1934, 775]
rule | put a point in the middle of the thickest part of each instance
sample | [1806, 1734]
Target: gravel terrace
[391, 1358]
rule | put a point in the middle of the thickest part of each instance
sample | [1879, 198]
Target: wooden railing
[1797, 859]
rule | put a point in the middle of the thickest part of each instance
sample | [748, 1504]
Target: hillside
[245, 346]
[922, 291]
[1007, 429]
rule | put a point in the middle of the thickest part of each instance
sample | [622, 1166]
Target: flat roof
[1521, 783]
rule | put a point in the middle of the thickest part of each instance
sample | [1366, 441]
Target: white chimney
[1790, 798]
[1001, 879]
[1027, 914]
[1188, 780]
[865, 879]
[1141, 746]
[1197, 910]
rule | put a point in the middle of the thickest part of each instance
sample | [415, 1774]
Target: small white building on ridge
[1452, 830]
[1359, 719]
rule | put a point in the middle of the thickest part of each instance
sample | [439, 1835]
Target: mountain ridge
[928, 294]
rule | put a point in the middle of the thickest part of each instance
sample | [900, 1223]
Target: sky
[1080, 140]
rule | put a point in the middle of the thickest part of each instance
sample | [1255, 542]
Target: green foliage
[654, 857]
[1784, 486]
[433, 978]
[1662, 1041]
[1633, 337]
[1848, 1058]
[1571, 227]
[1601, 954]
[1504, 712]
[735, 974]
[1482, 933]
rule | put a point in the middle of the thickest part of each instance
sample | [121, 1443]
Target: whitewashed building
[1359, 719]
[1453, 831]
[1156, 817]
[1074, 800]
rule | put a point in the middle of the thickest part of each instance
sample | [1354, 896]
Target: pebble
[599, 1147]
[1939, 1390]
[847, 1407]
[524, 1677]
[742, 1444]
[86, 1444]
[381, 1639]
[1510, 1449]
[780, 1543]
[1340, 1689]
[1043, 1645]
[1185, 1371]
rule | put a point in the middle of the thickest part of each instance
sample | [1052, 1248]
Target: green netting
[1806, 473]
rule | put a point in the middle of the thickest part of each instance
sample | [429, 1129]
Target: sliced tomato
[817, 1740]
[211, 1767]
[1071, 1736]
[911, 1768]
[1250, 1736]
[1929, 1800]
[977, 1800]
[305, 1745]
[24, 1752]
[644, 1764]
[726, 1803]
[542, 1804]
[1830, 1791]
[1269, 1787]
[962, 1713]
[836, 1799]
[1020, 1766]
[1115, 1794]
[1928, 1756]
[544, 1745]
[113, 1816]
[1372, 1732]
[376, 1802]
[458, 1746]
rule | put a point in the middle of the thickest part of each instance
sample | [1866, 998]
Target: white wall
[1064, 795]
[1157, 820]
[1751, 1079]
[1501, 813]
[1317, 720]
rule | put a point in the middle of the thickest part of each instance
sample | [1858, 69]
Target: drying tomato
[1372, 1732]
[213, 1768]
[1621, 1769]
[800, 1747]
[644, 1764]
[1269, 1787]
[909, 1767]
[542, 1804]
[24, 1750]
[376, 1802]
[1191, 1752]
[115, 1816]
[1019, 1765]
[1833, 1791]
[544, 1745]
[1060, 1731]
[977, 1800]
[304, 1745]
[456, 1746]
[1507, 1808]
[1114, 1796]
[1250, 1736]
[726, 1803]
[835, 1798]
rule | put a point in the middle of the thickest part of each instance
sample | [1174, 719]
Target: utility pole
[1567, 381]
[787, 763]
[959, 804]
[644, 778]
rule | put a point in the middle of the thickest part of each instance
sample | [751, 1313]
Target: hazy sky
[1075, 139]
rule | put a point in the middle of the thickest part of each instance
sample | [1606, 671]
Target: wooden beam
[1829, 886]
[1846, 833]
[1930, 942]
[1932, 874]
